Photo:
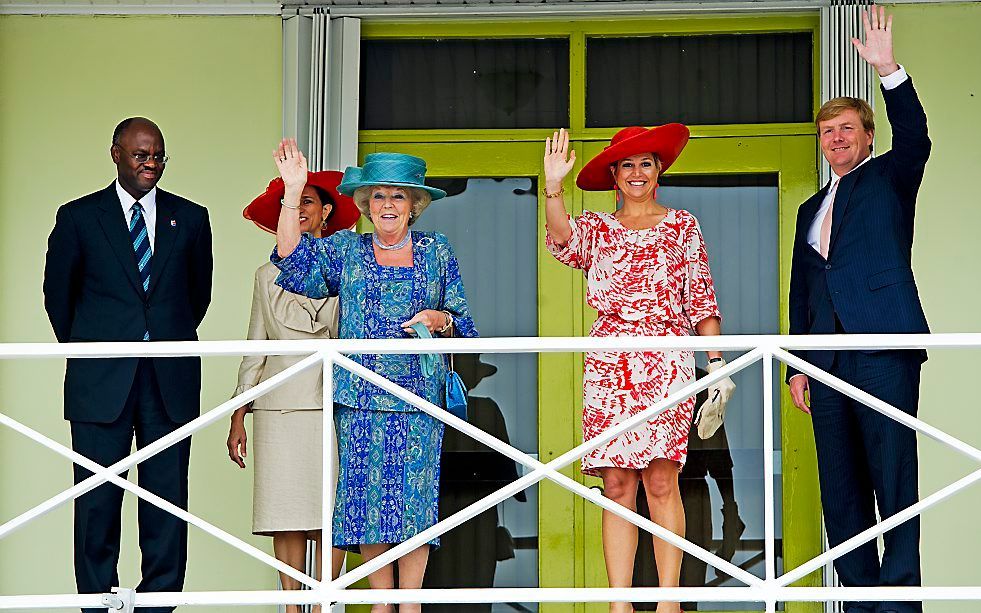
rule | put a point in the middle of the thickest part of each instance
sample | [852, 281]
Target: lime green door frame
[569, 545]
[565, 520]
[577, 32]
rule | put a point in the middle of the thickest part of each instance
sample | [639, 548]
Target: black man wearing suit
[130, 262]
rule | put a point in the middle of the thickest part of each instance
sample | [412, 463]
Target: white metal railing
[770, 589]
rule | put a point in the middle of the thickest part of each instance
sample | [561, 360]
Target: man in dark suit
[130, 262]
[851, 273]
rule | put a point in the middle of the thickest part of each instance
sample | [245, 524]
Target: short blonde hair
[420, 200]
[836, 106]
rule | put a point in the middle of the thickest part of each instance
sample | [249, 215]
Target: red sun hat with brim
[666, 142]
[264, 210]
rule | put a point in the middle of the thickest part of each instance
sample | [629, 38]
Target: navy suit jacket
[867, 280]
[92, 292]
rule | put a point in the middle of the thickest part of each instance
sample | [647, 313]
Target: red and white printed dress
[653, 282]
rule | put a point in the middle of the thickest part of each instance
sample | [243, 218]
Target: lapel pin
[173, 223]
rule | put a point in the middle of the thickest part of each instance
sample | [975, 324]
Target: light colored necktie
[826, 222]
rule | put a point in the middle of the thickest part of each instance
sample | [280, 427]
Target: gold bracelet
[555, 195]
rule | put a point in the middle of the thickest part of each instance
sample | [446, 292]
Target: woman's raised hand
[291, 163]
[558, 159]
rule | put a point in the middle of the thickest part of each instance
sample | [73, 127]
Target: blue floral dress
[388, 481]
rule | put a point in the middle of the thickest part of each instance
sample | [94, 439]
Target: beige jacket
[280, 315]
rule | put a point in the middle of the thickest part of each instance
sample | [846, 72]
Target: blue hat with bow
[392, 169]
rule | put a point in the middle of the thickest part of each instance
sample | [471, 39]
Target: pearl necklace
[402, 243]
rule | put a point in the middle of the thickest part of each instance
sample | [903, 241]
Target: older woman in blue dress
[386, 281]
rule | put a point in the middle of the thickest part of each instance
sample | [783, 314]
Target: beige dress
[287, 421]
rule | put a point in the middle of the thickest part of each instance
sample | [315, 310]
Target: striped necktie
[141, 246]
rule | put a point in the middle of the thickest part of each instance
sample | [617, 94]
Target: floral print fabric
[390, 471]
[389, 451]
[653, 282]
[374, 301]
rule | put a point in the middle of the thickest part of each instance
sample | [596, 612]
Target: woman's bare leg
[619, 535]
[381, 579]
[291, 548]
[336, 562]
[412, 569]
[664, 501]
[336, 559]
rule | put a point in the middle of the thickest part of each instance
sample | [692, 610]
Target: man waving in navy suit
[130, 262]
[851, 274]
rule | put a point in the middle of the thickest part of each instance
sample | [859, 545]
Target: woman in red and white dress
[647, 274]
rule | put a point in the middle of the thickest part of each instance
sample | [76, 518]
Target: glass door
[745, 192]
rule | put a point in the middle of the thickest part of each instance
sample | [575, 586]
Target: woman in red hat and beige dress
[647, 274]
[287, 421]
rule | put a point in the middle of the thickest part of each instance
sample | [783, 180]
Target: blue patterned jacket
[371, 297]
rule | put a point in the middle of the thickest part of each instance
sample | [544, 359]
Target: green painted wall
[214, 88]
[214, 85]
[932, 41]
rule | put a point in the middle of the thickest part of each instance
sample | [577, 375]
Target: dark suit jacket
[867, 281]
[92, 292]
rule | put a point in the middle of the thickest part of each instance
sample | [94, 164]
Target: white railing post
[327, 590]
[769, 474]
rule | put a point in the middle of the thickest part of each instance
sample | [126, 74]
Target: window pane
[428, 84]
[722, 482]
[497, 248]
[699, 80]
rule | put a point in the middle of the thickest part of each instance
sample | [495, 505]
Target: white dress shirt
[890, 81]
[149, 204]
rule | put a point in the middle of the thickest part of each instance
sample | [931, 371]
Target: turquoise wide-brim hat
[392, 169]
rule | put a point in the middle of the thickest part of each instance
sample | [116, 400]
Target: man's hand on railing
[238, 438]
[799, 386]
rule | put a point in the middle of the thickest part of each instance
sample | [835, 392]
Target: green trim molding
[574, 557]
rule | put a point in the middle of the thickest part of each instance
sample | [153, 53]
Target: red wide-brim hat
[264, 210]
[666, 142]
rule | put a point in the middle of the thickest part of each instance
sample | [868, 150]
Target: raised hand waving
[877, 49]
[291, 163]
[558, 159]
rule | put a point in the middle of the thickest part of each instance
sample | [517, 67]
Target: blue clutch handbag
[456, 391]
